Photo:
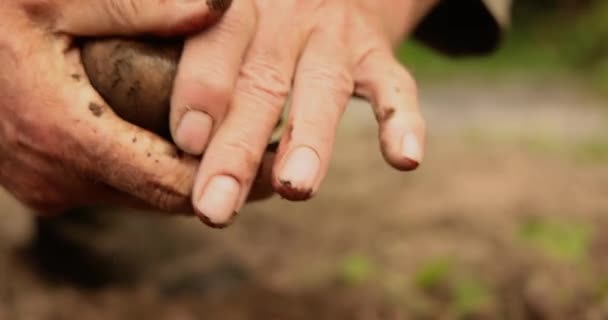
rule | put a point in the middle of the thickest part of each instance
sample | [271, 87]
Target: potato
[135, 77]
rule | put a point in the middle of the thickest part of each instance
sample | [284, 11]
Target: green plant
[432, 274]
[563, 240]
[356, 270]
[470, 296]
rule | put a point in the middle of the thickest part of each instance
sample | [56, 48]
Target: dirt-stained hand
[60, 143]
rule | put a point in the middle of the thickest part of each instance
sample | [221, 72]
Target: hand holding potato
[234, 80]
[60, 143]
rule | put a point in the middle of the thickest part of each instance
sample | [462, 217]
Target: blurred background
[504, 220]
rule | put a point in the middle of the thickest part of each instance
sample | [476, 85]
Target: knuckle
[264, 82]
[241, 157]
[168, 195]
[244, 150]
[371, 65]
[336, 79]
[124, 12]
[168, 185]
[370, 55]
[215, 91]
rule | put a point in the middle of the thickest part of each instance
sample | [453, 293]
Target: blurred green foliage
[356, 270]
[470, 296]
[547, 37]
[466, 293]
[593, 150]
[602, 287]
[563, 240]
[434, 273]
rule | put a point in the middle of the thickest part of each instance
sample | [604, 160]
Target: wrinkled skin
[63, 146]
[234, 81]
[60, 143]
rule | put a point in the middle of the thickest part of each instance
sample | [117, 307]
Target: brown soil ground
[504, 220]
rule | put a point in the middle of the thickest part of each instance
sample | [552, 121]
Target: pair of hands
[61, 146]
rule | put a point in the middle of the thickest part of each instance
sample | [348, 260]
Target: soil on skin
[504, 220]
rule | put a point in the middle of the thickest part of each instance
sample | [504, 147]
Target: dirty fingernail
[411, 148]
[219, 201]
[193, 132]
[300, 170]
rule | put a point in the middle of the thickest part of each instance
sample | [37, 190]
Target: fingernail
[193, 132]
[218, 203]
[300, 172]
[411, 148]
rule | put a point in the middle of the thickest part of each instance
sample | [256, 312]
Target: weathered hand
[60, 144]
[323, 50]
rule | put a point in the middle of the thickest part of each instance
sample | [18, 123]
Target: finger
[136, 168]
[100, 194]
[206, 76]
[323, 86]
[393, 93]
[121, 155]
[135, 17]
[234, 154]
[149, 169]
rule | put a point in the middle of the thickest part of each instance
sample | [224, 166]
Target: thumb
[137, 17]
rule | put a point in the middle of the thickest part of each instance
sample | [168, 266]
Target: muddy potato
[135, 77]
